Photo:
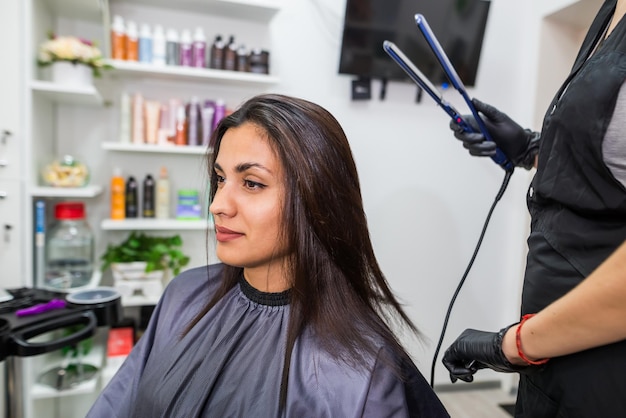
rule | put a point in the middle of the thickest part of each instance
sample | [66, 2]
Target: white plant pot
[131, 279]
[64, 72]
[134, 271]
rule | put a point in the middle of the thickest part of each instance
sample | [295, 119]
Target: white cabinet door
[11, 232]
[10, 84]
[11, 213]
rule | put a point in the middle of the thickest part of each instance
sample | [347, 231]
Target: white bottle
[162, 207]
[125, 118]
[138, 130]
[185, 53]
[158, 46]
[198, 50]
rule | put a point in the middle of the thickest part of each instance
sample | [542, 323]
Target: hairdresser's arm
[591, 315]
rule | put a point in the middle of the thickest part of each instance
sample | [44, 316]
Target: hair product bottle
[158, 46]
[230, 55]
[180, 137]
[118, 207]
[194, 131]
[174, 104]
[165, 129]
[131, 198]
[118, 38]
[258, 61]
[242, 58]
[125, 118]
[199, 49]
[220, 112]
[152, 113]
[137, 122]
[208, 112]
[148, 197]
[145, 44]
[172, 47]
[186, 57]
[132, 41]
[217, 53]
[163, 195]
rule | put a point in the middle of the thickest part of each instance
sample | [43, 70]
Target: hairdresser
[570, 344]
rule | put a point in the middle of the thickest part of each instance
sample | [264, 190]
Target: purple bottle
[186, 58]
[207, 114]
[198, 49]
[220, 112]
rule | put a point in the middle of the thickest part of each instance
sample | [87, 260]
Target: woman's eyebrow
[240, 168]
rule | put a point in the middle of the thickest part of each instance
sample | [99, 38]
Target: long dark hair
[337, 287]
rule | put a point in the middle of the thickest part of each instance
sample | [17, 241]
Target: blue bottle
[145, 44]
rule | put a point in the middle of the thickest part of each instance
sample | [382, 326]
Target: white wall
[425, 198]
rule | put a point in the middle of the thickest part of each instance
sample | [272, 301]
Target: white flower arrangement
[71, 49]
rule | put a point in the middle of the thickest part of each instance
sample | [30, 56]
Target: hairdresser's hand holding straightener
[520, 145]
[590, 315]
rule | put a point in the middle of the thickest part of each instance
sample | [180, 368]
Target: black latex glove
[518, 144]
[474, 350]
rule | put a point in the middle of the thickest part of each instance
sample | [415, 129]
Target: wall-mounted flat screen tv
[459, 25]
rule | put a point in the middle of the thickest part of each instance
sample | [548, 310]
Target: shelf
[254, 10]
[165, 149]
[70, 192]
[128, 301]
[95, 357]
[155, 225]
[133, 68]
[67, 94]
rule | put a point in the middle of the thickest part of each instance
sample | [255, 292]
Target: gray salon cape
[230, 365]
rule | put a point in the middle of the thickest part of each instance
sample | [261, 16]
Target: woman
[294, 322]
[575, 283]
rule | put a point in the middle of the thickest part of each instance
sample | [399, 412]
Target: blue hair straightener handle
[421, 80]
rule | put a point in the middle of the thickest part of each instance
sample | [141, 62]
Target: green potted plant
[141, 256]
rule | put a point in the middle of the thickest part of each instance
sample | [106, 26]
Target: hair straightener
[421, 80]
[499, 158]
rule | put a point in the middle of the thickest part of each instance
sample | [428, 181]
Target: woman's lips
[224, 234]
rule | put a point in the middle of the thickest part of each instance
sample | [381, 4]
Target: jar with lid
[69, 248]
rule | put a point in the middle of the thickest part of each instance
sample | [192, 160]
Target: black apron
[578, 212]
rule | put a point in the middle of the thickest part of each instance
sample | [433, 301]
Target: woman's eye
[253, 185]
[220, 179]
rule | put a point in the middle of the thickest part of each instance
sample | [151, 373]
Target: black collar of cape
[263, 298]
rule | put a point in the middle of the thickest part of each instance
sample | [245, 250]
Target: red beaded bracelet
[518, 342]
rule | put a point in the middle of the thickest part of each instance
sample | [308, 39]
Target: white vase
[67, 73]
[130, 279]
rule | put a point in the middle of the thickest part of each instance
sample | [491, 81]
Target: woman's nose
[221, 204]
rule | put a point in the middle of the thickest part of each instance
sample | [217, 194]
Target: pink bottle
[185, 49]
[198, 49]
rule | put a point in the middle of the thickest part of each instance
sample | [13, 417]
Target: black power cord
[505, 183]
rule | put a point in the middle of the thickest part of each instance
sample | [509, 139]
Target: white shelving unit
[67, 94]
[144, 224]
[162, 149]
[83, 121]
[137, 69]
[253, 10]
[67, 192]
[95, 357]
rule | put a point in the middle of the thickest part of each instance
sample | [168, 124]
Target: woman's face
[248, 206]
